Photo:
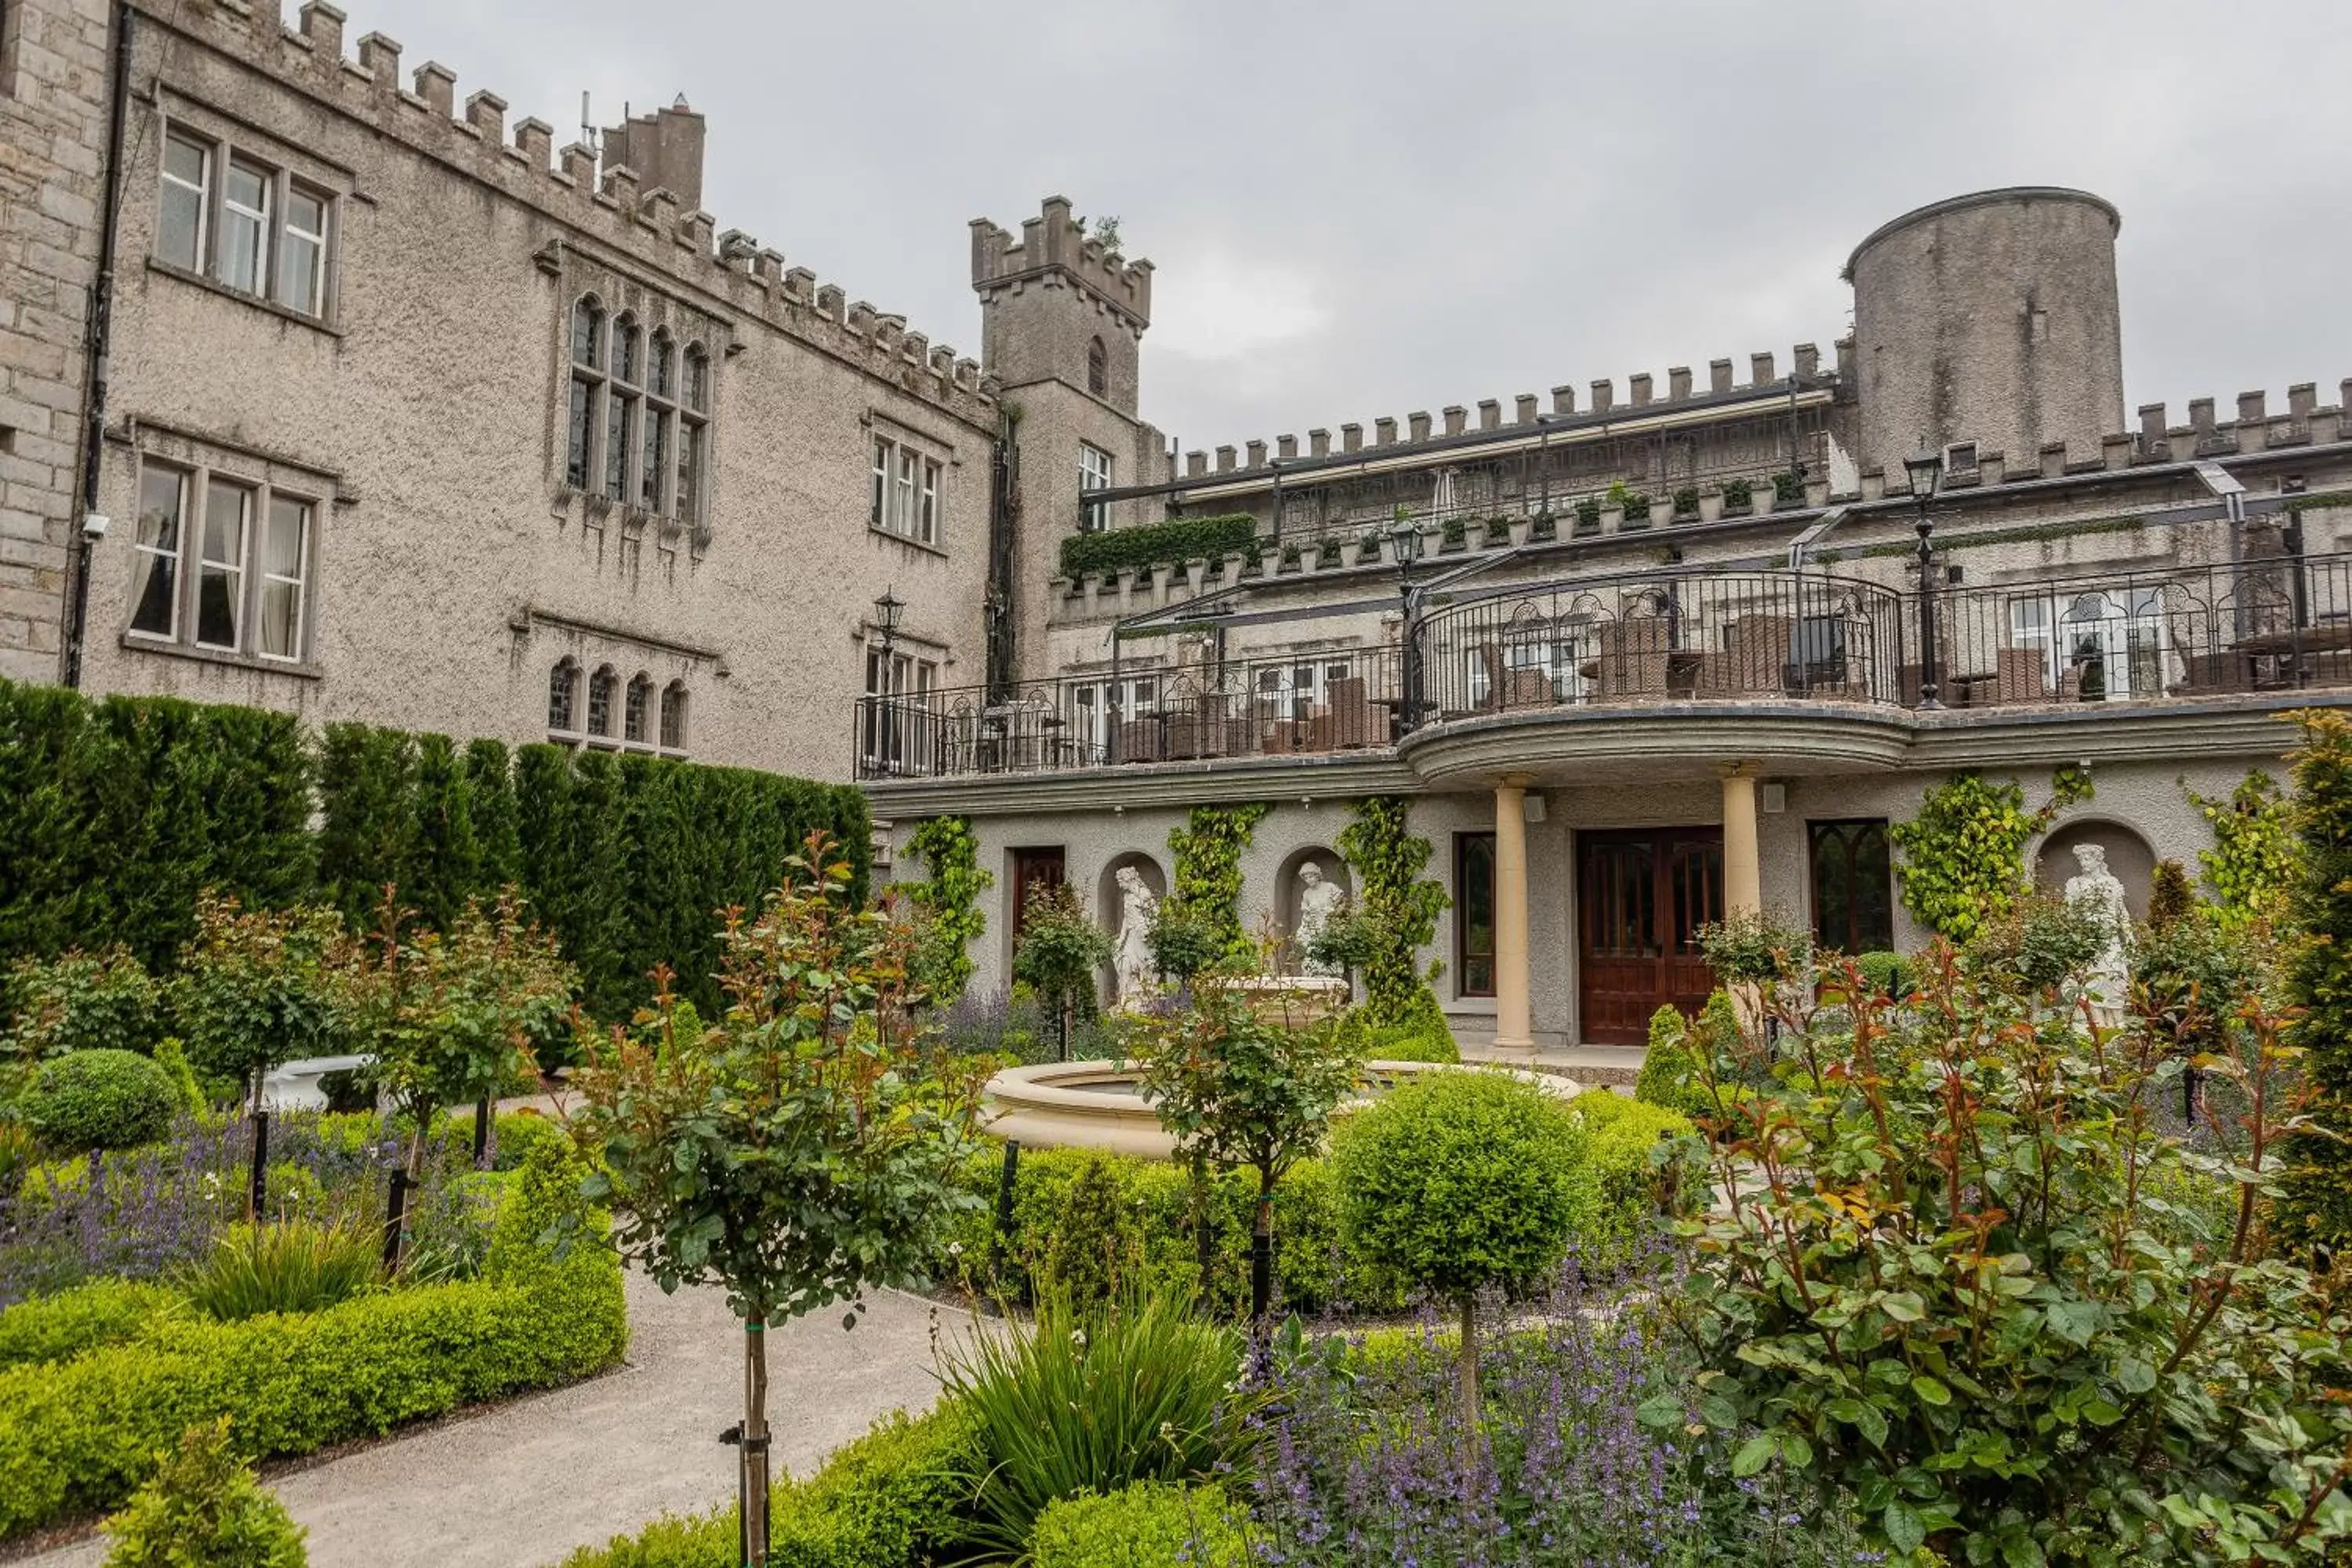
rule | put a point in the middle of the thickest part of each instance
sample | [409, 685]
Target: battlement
[1526, 413]
[1053, 245]
[607, 206]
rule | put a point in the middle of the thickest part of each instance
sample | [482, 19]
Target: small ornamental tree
[1462, 1182]
[1669, 1065]
[449, 1016]
[255, 989]
[1061, 954]
[1958, 1272]
[1184, 942]
[1235, 1087]
[799, 1152]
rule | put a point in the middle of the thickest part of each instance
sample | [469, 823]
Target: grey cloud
[1486, 198]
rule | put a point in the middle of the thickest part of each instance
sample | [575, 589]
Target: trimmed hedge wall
[82, 1433]
[1156, 544]
[114, 814]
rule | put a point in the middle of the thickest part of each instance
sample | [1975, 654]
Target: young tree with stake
[799, 1152]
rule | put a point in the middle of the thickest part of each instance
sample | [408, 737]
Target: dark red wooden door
[1642, 896]
[1033, 871]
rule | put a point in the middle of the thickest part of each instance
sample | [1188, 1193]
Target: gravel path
[525, 1482]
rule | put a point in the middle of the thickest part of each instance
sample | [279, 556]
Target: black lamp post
[1927, 473]
[888, 610]
[1404, 544]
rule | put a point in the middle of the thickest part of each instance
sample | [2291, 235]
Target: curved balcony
[1795, 665]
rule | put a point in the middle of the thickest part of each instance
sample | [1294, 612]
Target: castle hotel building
[325, 389]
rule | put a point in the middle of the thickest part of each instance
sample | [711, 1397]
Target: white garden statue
[1137, 976]
[2094, 891]
[1318, 899]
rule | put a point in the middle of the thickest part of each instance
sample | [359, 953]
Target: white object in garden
[1318, 901]
[1136, 975]
[2094, 891]
[294, 1085]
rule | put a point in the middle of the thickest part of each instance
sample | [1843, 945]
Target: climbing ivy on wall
[949, 903]
[1208, 882]
[1388, 861]
[2253, 863]
[1963, 857]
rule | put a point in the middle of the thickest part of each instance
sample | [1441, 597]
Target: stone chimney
[663, 149]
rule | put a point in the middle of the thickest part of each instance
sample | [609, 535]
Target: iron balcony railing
[1665, 637]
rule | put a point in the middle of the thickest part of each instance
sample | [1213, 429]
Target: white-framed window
[2112, 639]
[1293, 690]
[1095, 706]
[1096, 470]
[897, 734]
[185, 209]
[904, 498]
[222, 563]
[243, 221]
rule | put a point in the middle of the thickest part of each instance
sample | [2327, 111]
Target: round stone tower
[1989, 318]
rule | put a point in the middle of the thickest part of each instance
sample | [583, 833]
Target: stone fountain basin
[1098, 1104]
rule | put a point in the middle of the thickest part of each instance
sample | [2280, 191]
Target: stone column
[1743, 872]
[1513, 1028]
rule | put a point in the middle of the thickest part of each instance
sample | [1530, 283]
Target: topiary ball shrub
[205, 1509]
[1150, 1523]
[1462, 1182]
[99, 1099]
[1884, 973]
[1414, 1042]
[1669, 1068]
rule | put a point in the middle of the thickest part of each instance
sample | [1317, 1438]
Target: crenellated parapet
[1525, 411]
[606, 209]
[1054, 250]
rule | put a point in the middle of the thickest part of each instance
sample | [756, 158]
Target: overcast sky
[1372, 208]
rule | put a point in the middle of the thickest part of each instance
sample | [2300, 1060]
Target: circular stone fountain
[1099, 1105]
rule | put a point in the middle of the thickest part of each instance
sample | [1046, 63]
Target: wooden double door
[1643, 896]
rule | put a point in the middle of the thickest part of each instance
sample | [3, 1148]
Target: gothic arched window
[633, 708]
[564, 697]
[587, 375]
[600, 701]
[672, 717]
[1098, 369]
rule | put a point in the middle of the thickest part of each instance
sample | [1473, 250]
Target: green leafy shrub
[450, 1238]
[2170, 897]
[889, 1499]
[1185, 940]
[61, 1326]
[1062, 953]
[1965, 1290]
[1093, 1402]
[1462, 1182]
[1419, 1041]
[1153, 545]
[1669, 1067]
[1149, 1525]
[2254, 864]
[294, 1266]
[204, 1510]
[83, 1431]
[1094, 1250]
[515, 1135]
[2315, 1205]
[1884, 971]
[99, 1099]
[1639, 1172]
[82, 1002]
[2037, 941]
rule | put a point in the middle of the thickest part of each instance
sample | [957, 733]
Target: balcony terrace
[1673, 640]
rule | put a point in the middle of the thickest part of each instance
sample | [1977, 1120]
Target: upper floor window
[564, 697]
[636, 414]
[1098, 369]
[1095, 473]
[244, 221]
[221, 563]
[905, 494]
[899, 728]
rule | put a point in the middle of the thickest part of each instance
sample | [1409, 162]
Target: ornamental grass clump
[1094, 1401]
[1959, 1270]
[294, 1266]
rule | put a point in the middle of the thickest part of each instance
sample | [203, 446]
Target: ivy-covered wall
[1208, 880]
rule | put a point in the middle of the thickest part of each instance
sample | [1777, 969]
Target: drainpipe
[101, 339]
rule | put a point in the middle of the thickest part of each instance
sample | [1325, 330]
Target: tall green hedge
[114, 814]
[1156, 544]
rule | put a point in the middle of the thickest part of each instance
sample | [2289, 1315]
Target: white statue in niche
[1319, 899]
[2094, 891]
[1136, 975]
